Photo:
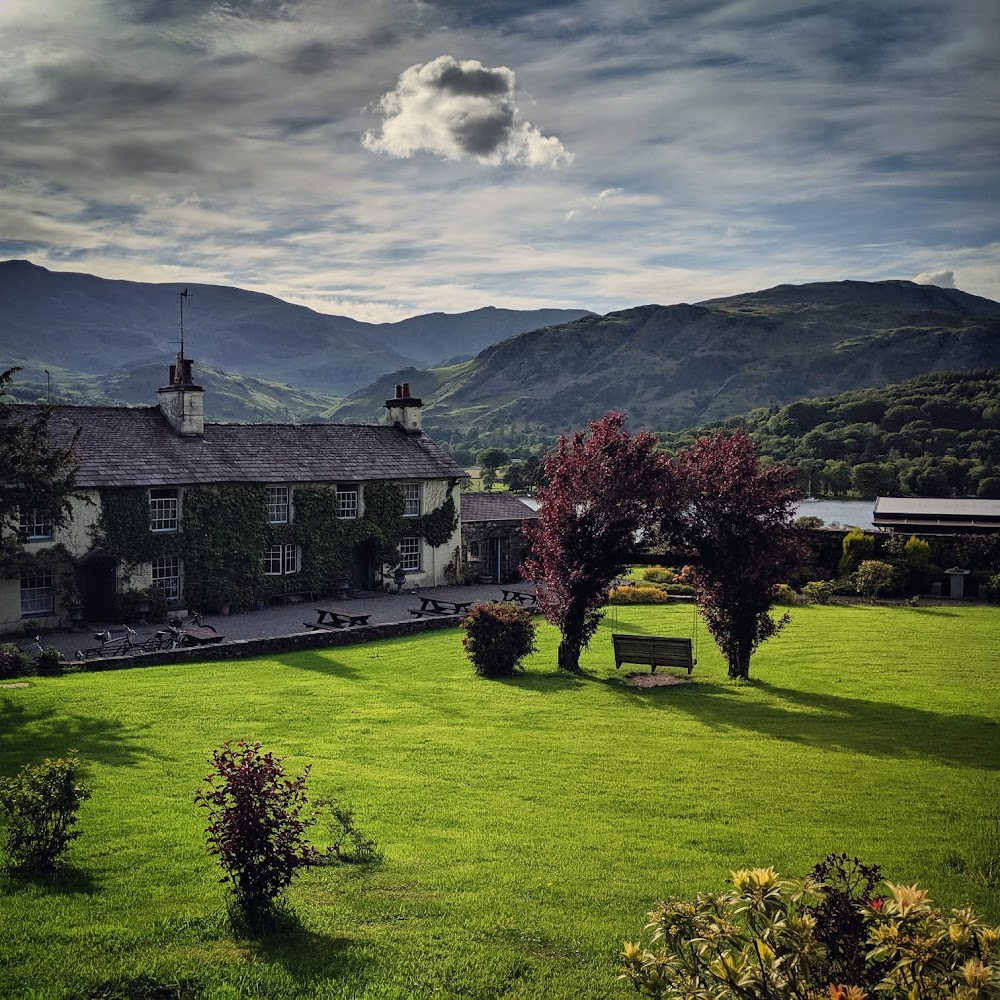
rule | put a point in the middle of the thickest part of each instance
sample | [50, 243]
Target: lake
[846, 513]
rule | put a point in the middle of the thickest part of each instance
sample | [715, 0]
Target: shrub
[348, 843]
[657, 574]
[258, 818]
[14, 661]
[497, 638]
[818, 591]
[786, 595]
[40, 803]
[761, 940]
[678, 588]
[856, 547]
[638, 595]
[872, 576]
[49, 662]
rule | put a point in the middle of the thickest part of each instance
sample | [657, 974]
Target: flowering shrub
[13, 661]
[818, 591]
[872, 576]
[638, 595]
[759, 940]
[497, 638]
[786, 595]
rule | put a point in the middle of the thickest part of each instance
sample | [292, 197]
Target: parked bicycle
[110, 645]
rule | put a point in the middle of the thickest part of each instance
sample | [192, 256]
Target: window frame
[28, 524]
[412, 554]
[409, 501]
[176, 591]
[274, 505]
[285, 556]
[346, 510]
[156, 513]
[475, 551]
[37, 585]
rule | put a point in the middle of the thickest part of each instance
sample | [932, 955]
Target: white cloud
[943, 279]
[460, 110]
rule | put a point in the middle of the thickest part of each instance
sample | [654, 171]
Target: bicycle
[110, 645]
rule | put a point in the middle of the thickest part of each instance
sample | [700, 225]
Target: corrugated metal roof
[136, 446]
[935, 507]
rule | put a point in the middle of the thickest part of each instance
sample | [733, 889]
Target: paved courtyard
[289, 619]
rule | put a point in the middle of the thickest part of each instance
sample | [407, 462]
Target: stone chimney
[403, 410]
[182, 402]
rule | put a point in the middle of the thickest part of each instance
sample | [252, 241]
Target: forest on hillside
[933, 435]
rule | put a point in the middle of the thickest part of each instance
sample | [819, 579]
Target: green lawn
[527, 826]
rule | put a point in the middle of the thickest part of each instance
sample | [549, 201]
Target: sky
[386, 158]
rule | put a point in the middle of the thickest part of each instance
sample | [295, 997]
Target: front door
[97, 580]
[493, 560]
[363, 566]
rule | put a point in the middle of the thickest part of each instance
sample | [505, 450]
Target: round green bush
[497, 638]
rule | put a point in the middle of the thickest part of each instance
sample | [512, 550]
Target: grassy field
[527, 826]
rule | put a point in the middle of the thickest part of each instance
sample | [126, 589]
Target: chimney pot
[406, 390]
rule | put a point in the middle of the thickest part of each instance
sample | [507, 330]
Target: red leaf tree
[599, 506]
[737, 515]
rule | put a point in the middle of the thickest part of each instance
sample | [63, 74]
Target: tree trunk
[739, 668]
[572, 640]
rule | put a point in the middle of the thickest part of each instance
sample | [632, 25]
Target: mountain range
[677, 366]
[96, 326]
[536, 373]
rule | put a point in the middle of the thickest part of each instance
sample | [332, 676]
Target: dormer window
[347, 502]
[164, 509]
[35, 527]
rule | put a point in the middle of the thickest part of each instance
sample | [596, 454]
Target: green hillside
[670, 367]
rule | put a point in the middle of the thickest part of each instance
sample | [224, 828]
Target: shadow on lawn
[65, 881]
[319, 662]
[29, 732]
[305, 954]
[830, 722]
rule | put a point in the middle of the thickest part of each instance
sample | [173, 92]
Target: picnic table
[438, 606]
[331, 616]
[519, 596]
[199, 635]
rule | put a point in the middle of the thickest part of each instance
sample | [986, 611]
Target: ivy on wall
[225, 533]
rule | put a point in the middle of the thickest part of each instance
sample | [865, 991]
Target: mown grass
[527, 825]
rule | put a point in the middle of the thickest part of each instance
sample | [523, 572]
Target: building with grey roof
[231, 514]
[493, 536]
[933, 515]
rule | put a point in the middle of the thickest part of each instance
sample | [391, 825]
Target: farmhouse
[224, 514]
[493, 535]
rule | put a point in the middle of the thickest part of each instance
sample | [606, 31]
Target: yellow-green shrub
[638, 595]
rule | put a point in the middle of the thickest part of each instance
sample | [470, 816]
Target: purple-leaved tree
[737, 515]
[596, 515]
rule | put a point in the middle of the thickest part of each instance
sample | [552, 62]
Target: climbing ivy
[225, 533]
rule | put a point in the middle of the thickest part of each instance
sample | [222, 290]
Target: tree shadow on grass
[832, 722]
[318, 662]
[30, 732]
[67, 880]
[543, 683]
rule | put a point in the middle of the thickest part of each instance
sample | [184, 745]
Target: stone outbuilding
[493, 540]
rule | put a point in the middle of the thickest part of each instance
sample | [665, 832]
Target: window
[277, 505]
[281, 559]
[475, 551]
[347, 501]
[167, 576]
[411, 499]
[163, 509]
[37, 597]
[409, 552]
[35, 527]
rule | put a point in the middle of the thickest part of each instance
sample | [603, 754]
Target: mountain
[95, 326]
[677, 366]
[228, 397]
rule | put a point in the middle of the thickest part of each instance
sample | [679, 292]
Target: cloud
[943, 279]
[460, 110]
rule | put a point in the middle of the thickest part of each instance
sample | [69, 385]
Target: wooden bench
[323, 626]
[199, 635]
[656, 650]
[294, 598]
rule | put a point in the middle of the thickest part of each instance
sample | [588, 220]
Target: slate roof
[495, 507]
[136, 446]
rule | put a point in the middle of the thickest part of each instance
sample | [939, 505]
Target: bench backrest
[656, 650]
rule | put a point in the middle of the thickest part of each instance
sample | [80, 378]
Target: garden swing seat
[656, 650]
